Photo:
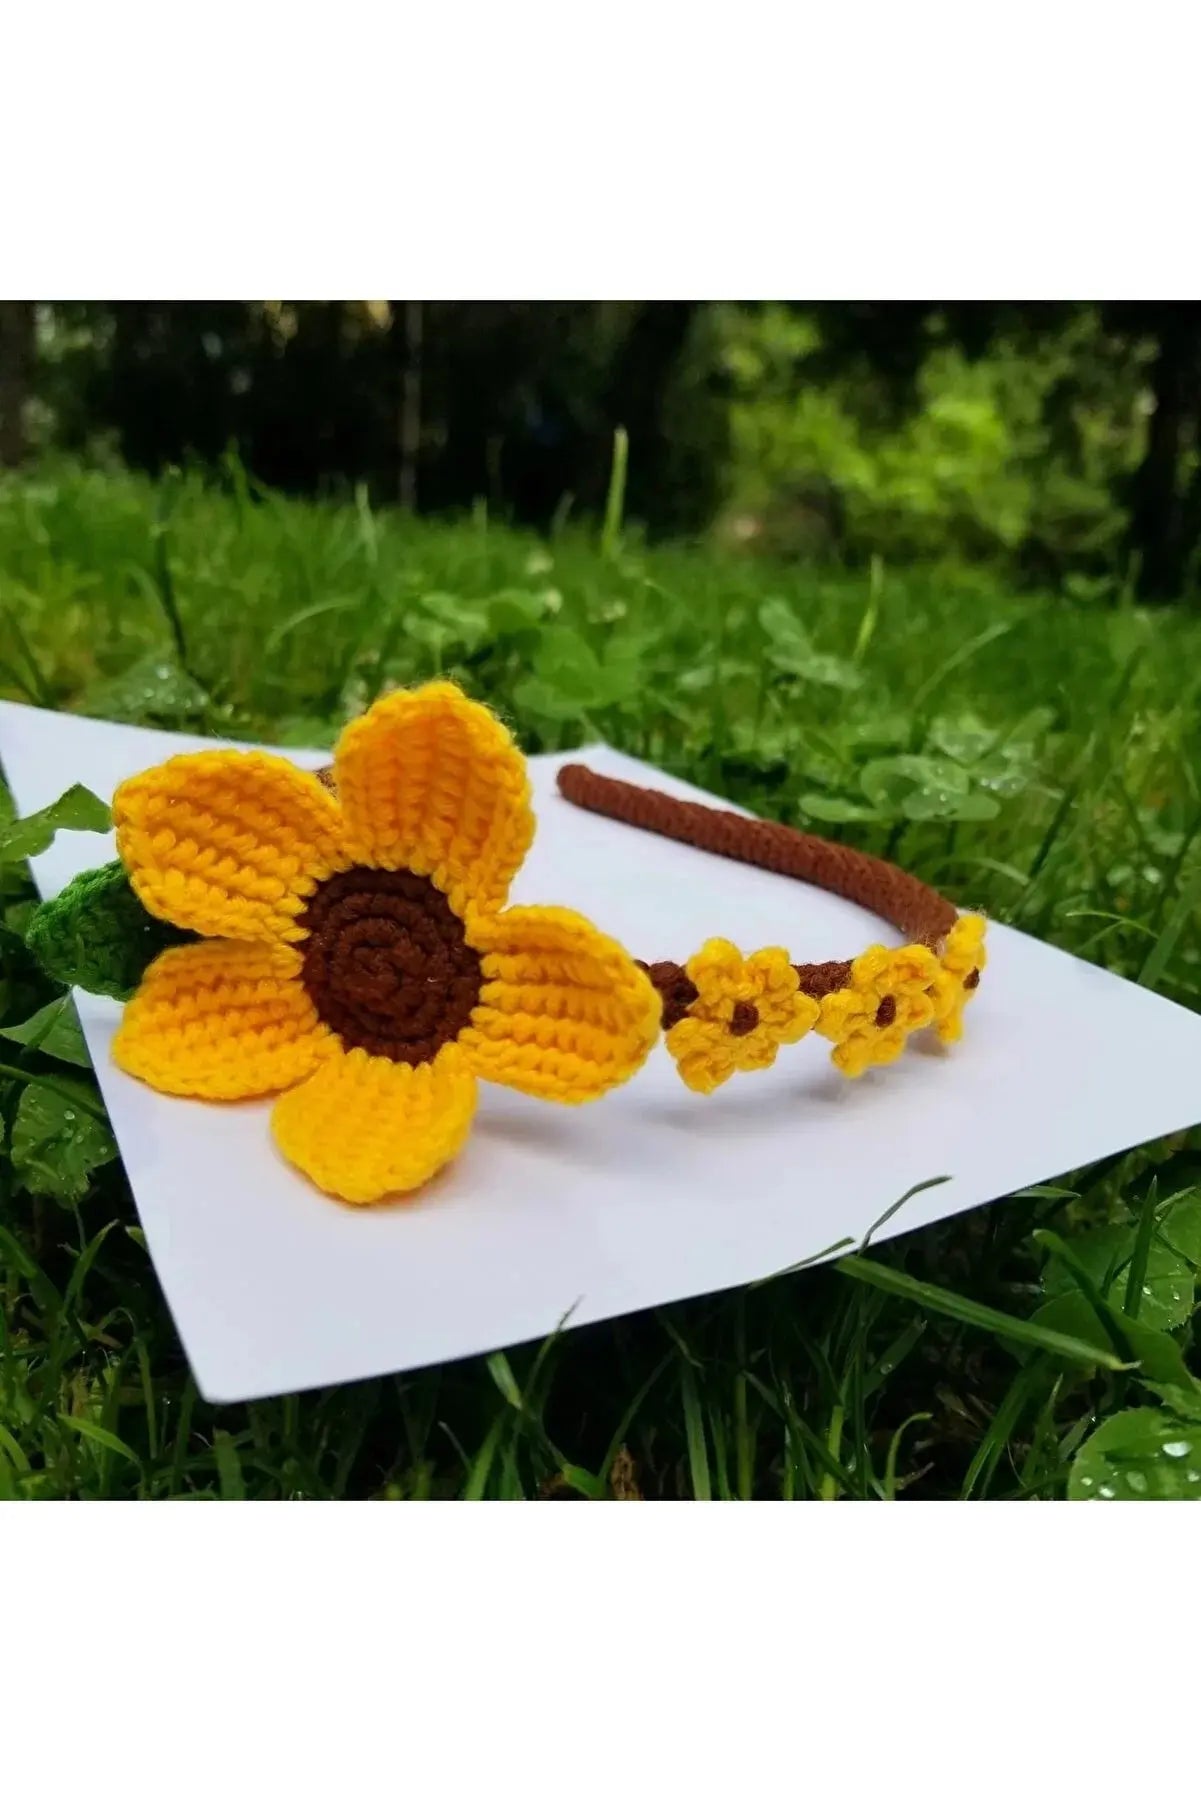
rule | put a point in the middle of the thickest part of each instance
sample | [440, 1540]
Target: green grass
[1029, 755]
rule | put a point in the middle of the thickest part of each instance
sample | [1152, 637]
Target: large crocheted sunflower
[357, 953]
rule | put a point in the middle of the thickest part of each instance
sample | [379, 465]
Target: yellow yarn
[227, 843]
[431, 782]
[963, 957]
[564, 1013]
[908, 985]
[232, 844]
[222, 1021]
[706, 1048]
[363, 1127]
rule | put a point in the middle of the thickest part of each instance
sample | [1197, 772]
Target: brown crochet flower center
[387, 963]
[744, 1018]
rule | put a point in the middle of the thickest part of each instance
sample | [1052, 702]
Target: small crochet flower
[746, 1008]
[891, 994]
[963, 959]
[356, 953]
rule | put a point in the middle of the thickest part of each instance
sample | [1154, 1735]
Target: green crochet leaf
[97, 934]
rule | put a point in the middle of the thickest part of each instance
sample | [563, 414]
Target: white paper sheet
[650, 1195]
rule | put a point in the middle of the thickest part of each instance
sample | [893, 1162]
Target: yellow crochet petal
[843, 1012]
[222, 1022]
[783, 1009]
[965, 945]
[758, 1050]
[433, 782]
[886, 1046]
[862, 1050]
[773, 970]
[963, 959]
[950, 1026]
[802, 1016]
[718, 972]
[854, 1055]
[564, 1012]
[704, 1053]
[915, 966]
[894, 972]
[364, 1128]
[919, 1007]
[227, 843]
[872, 967]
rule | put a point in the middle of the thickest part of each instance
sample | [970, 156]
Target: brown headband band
[916, 910]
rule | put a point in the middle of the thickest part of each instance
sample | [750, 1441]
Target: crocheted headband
[342, 941]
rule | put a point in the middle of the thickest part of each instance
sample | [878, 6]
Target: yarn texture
[356, 951]
[342, 941]
[223, 1022]
[868, 1006]
[97, 935]
[891, 994]
[746, 1008]
[963, 960]
[917, 910]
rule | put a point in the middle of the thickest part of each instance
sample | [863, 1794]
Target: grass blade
[615, 500]
[99, 1435]
[974, 1313]
[1051, 1241]
[694, 1428]
[477, 1476]
[1187, 906]
[164, 581]
[1136, 1275]
[918, 1188]
[229, 1467]
[894, 1446]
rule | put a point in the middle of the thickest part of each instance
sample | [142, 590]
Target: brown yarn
[820, 979]
[676, 989]
[743, 1019]
[387, 963]
[917, 911]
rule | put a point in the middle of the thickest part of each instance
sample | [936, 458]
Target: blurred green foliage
[1019, 452]
[1058, 442]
